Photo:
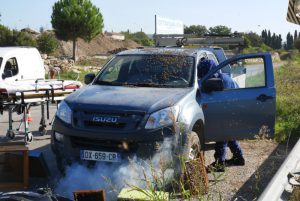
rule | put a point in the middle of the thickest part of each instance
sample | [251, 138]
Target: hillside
[100, 45]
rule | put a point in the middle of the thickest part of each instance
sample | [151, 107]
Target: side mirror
[88, 78]
[213, 84]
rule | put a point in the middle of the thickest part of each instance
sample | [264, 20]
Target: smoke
[113, 177]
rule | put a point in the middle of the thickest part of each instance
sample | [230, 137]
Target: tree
[297, 44]
[15, 38]
[139, 37]
[289, 41]
[20, 38]
[73, 19]
[264, 36]
[200, 30]
[47, 43]
[5, 36]
[295, 35]
[255, 39]
[220, 30]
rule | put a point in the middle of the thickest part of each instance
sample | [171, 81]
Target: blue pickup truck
[140, 97]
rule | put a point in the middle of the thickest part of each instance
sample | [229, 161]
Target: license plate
[100, 156]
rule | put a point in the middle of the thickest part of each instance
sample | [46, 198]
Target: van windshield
[167, 71]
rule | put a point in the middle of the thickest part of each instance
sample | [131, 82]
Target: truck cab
[144, 96]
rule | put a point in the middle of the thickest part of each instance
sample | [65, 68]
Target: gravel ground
[263, 158]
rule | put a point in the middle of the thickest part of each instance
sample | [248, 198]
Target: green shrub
[288, 100]
[5, 36]
[140, 38]
[23, 39]
[15, 38]
[47, 43]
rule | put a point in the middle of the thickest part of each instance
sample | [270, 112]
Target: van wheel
[28, 138]
[193, 173]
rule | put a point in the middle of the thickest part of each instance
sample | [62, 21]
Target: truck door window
[11, 67]
[249, 73]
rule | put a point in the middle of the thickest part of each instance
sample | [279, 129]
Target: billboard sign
[168, 26]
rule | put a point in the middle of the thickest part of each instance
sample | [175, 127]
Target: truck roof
[7, 51]
[167, 51]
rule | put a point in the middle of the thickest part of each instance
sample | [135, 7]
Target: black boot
[235, 161]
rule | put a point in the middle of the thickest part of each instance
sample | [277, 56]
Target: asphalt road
[40, 143]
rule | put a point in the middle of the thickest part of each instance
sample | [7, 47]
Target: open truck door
[240, 113]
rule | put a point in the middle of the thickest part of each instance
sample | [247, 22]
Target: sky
[136, 15]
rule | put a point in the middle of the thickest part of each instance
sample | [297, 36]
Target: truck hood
[121, 98]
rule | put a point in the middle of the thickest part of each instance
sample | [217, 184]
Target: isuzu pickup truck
[141, 95]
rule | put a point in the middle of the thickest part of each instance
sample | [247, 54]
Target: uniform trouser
[220, 150]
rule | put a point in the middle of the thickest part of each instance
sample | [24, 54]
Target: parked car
[139, 96]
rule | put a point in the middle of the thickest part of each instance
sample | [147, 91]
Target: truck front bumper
[141, 143]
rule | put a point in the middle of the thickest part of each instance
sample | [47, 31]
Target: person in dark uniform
[237, 159]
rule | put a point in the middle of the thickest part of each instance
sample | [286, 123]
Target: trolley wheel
[10, 134]
[28, 138]
[42, 130]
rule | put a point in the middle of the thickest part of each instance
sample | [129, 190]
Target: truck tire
[191, 147]
[193, 175]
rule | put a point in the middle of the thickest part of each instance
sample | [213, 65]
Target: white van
[20, 63]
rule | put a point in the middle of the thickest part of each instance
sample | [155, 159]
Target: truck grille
[82, 142]
[104, 124]
[108, 120]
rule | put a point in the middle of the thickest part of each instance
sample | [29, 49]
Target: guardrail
[279, 187]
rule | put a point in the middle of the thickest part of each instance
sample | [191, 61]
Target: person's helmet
[204, 66]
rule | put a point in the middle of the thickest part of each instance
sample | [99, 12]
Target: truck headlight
[64, 112]
[164, 117]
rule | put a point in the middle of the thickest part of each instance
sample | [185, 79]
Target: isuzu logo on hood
[105, 119]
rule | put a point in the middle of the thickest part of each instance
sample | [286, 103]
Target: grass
[287, 79]
[295, 195]
[70, 75]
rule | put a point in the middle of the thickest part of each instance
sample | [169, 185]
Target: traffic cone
[29, 118]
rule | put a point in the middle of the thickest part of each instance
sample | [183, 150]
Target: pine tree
[73, 19]
[279, 42]
[289, 41]
[273, 41]
[269, 38]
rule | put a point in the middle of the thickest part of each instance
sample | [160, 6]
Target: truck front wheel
[193, 173]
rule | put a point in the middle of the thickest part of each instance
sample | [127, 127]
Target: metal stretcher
[43, 93]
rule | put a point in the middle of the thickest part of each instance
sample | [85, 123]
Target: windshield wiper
[147, 85]
[101, 82]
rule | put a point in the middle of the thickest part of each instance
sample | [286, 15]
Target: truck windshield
[174, 71]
